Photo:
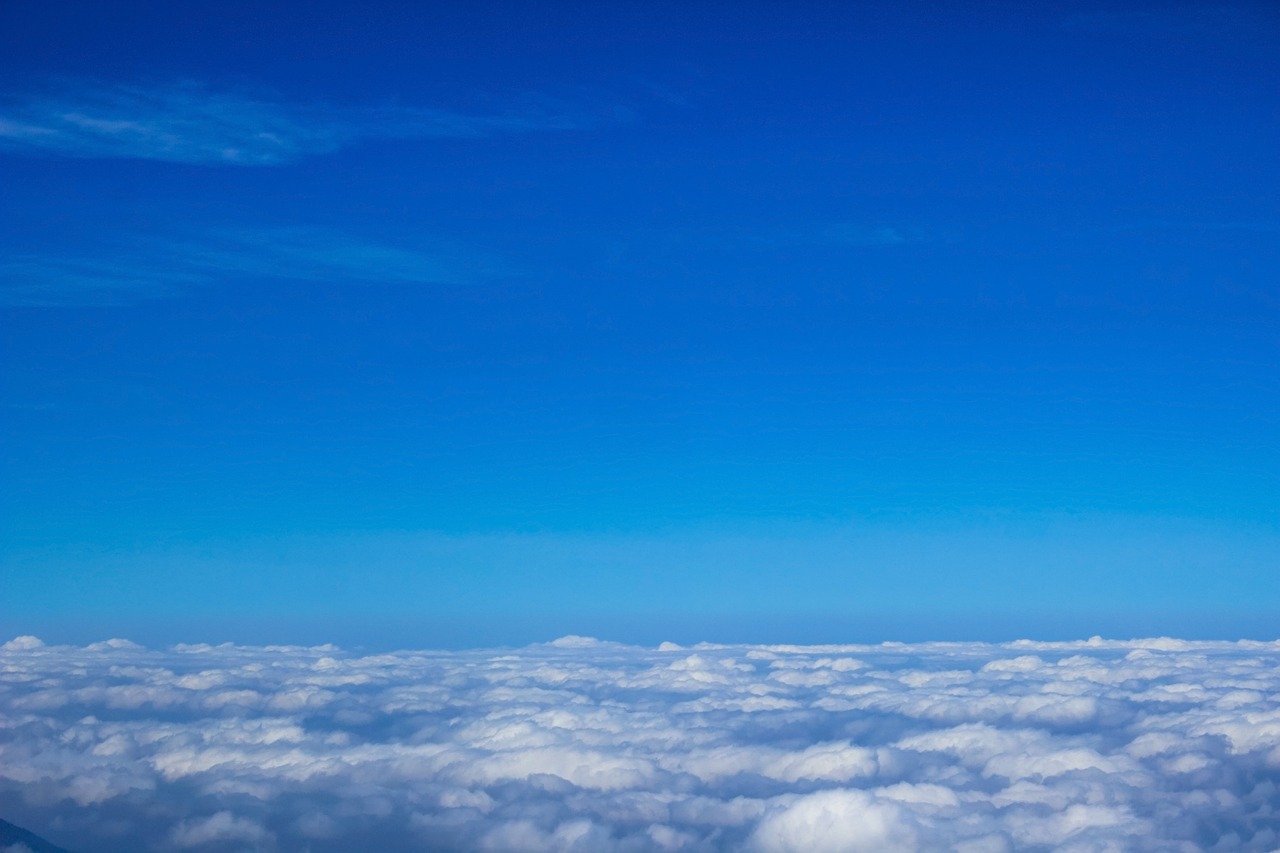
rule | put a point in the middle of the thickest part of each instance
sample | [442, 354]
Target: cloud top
[580, 745]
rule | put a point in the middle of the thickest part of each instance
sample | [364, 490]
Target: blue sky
[475, 323]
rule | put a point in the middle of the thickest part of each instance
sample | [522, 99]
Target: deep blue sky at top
[465, 308]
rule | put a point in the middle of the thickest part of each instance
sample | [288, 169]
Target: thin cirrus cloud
[191, 123]
[139, 269]
[859, 234]
[579, 745]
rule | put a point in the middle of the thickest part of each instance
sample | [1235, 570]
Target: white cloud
[187, 122]
[23, 643]
[592, 746]
[218, 828]
[838, 821]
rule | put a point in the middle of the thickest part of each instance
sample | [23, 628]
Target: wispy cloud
[191, 123]
[861, 234]
[580, 745]
[1257, 226]
[139, 269]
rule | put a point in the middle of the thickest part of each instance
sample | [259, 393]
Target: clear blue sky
[457, 323]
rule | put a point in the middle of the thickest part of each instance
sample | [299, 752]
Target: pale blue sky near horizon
[403, 322]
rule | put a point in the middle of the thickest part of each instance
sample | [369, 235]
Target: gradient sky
[444, 323]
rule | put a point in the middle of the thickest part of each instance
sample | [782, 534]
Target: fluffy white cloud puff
[579, 745]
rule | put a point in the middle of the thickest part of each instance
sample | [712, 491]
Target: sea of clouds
[581, 745]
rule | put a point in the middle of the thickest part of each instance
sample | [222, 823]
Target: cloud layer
[579, 745]
[187, 122]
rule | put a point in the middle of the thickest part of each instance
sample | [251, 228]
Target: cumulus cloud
[187, 122]
[582, 745]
